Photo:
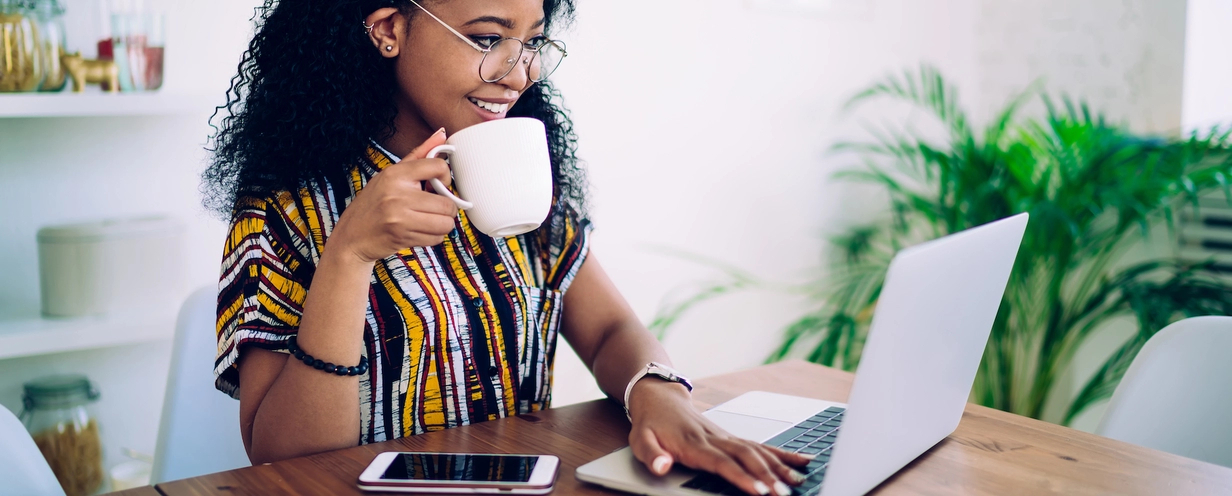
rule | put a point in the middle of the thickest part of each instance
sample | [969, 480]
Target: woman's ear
[384, 28]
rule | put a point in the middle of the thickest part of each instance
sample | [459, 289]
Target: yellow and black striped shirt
[457, 333]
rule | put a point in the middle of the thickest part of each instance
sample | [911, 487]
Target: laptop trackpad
[755, 429]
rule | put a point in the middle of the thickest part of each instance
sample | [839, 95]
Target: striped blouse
[460, 332]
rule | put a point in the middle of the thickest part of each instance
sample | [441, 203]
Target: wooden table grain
[991, 452]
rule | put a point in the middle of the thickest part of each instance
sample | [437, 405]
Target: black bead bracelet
[315, 363]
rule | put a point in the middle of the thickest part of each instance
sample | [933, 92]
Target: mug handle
[439, 186]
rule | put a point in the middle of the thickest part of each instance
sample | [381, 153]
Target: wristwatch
[658, 370]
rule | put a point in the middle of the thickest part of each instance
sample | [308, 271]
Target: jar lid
[108, 229]
[59, 391]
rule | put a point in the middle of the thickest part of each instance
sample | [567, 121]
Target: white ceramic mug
[504, 171]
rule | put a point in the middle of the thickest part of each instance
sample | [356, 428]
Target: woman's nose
[519, 78]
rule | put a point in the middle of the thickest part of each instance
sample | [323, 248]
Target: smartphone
[460, 473]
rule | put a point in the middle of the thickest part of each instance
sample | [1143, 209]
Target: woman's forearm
[607, 335]
[622, 354]
[307, 410]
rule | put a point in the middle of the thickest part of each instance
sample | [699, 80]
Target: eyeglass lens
[505, 55]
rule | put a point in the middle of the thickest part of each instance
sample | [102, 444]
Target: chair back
[22, 466]
[1176, 396]
[200, 428]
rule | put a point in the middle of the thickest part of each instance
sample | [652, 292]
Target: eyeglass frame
[485, 51]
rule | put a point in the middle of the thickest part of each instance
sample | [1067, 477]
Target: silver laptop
[927, 337]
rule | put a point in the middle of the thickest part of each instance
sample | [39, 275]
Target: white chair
[22, 466]
[200, 428]
[1177, 394]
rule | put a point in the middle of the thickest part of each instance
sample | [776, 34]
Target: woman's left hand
[668, 430]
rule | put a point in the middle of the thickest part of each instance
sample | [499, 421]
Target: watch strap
[658, 370]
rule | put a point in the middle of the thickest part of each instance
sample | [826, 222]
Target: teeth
[495, 108]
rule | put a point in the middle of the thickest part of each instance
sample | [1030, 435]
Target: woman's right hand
[394, 212]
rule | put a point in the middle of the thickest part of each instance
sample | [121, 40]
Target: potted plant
[1094, 191]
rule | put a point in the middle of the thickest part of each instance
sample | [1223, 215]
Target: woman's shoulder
[264, 206]
[323, 195]
[281, 211]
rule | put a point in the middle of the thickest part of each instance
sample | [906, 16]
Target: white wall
[705, 125]
[1124, 57]
[1208, 65]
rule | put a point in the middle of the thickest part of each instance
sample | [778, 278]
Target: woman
[337, 252]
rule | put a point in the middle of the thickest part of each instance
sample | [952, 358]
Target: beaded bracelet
[315, 363]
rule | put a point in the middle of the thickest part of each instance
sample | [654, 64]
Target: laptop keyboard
[814, 436]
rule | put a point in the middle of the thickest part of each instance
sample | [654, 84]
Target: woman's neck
[410, 131]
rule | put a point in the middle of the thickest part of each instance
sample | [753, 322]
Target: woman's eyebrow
[506, 23]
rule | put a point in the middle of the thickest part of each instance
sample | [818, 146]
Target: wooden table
[992, 452]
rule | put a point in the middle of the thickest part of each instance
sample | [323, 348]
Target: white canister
[101, 267]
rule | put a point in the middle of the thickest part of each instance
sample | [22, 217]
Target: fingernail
[440, 131]
[761, 488]
[781, 488]
[807, 457]
[661, 464]
[799, 477]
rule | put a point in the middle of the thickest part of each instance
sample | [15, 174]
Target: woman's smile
[491, 108]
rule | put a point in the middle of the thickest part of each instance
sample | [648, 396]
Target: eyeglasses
[500, 56]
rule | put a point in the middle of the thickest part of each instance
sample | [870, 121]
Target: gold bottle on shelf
[21, 60]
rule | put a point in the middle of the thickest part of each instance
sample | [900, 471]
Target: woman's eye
[537, 42]
[485, 41]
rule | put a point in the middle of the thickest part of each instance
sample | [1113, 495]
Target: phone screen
[460, 467]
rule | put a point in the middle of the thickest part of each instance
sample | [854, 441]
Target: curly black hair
[311, 92]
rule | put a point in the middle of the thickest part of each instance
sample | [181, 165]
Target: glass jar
[55, 414]
[154, 44]
[128, 49]
[21, 65]
[49, 14]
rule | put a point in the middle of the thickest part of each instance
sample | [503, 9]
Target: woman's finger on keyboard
[766, 469]
[790, 458]
[781, 466]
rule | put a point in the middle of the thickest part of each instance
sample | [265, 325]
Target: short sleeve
[262, 286]
[567, 243]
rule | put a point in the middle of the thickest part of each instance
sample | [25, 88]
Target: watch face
[662, 368]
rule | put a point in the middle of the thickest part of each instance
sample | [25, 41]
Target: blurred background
[707, 127]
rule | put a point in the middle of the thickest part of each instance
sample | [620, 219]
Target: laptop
[927, 337]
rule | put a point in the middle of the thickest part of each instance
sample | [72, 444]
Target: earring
[389, 48]
[368, 27]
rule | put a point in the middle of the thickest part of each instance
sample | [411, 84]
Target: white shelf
[94, 102]
[32, 336]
